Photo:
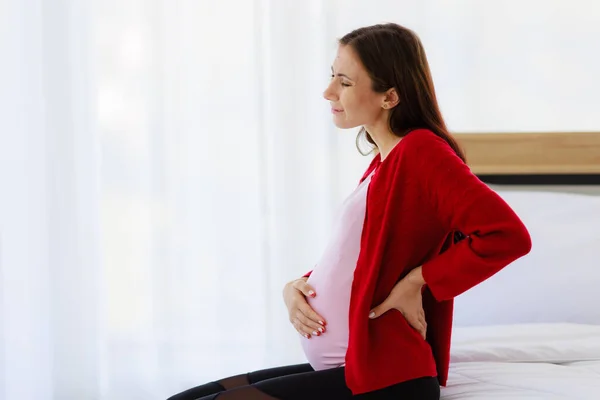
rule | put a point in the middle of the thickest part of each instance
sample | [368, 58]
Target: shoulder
[422, 140]
[428, 155]
[423, 146]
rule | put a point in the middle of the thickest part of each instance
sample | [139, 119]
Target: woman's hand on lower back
[304, 319]
[407, 298]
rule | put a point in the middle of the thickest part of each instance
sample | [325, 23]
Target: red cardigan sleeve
[495, 236]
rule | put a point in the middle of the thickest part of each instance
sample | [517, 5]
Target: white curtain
[166, 166]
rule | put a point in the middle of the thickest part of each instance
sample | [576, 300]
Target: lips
[336, 110]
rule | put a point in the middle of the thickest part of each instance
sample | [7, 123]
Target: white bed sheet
[525, 361]
[511, 381]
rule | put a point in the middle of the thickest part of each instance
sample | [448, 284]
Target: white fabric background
[166, 166]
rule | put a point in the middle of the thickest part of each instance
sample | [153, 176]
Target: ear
[391, 99]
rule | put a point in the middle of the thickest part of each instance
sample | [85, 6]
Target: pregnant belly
[329, 349]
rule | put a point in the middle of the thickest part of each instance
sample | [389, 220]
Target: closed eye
[341, 82]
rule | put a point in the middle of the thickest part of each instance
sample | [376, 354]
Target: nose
[329, 93]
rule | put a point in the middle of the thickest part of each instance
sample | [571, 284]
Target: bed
[525, 361]
[533, 330]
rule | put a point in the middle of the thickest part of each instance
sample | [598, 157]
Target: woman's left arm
[495, 236]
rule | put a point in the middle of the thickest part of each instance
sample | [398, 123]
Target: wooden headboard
[534, 158]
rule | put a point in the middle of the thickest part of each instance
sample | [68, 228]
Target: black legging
[302, 382]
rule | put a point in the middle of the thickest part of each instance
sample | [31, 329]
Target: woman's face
[353, 101]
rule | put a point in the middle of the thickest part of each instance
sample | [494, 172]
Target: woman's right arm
[304, 319]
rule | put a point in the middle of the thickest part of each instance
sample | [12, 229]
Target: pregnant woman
[375, 314]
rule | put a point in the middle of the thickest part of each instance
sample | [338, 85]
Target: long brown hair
[394, 58]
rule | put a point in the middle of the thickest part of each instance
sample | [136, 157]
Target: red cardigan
[419, 197]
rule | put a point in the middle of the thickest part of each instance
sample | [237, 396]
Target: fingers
[305, 326]
[304, 287]
[423, 329]
[302, 329]
[316, 319]
[304, 319]
[380, 309]
[418, 323]
[307, 310]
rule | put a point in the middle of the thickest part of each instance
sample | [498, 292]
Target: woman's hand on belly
[304, 319]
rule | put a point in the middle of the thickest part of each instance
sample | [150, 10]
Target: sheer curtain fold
[163, 158]
[50, 259]
[25, 340]
[167, 166]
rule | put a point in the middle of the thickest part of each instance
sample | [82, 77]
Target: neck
[384, 139]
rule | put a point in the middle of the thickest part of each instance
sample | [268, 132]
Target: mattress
[525, 361]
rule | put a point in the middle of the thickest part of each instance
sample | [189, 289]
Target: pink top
[332, 280]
